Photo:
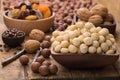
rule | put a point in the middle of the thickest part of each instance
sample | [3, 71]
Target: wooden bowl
[28, 25]
[84, 61]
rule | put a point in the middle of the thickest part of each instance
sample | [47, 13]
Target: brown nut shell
[99, 10]
[83, 14]
[35, 67]
[31, 46]
[37, 35]
[96, 19]
[24, 59]
[40, 60]
[44, 70]
[47, 63]
[46, 52]
[53, 69]
[45, 44]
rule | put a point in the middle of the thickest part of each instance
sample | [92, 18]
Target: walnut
[95, 19]
[83, 14]
[99, 10]
[109, 18]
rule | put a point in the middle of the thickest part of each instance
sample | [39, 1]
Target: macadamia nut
[104, 31]
[64, 44]
[72, 49]
[87, 40]
[92, 49]
[104, 47]
[95, 44]
[64, 50]
[109, 52]
[83, 48]
[99, 50]
[57, 48]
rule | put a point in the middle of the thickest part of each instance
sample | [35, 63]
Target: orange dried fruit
[35, 6]
[47, 13]
[43, 7]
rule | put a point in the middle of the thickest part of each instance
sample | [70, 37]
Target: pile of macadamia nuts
[98, 14]
[83, 38]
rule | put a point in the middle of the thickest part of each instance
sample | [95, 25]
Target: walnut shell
[83, 14]
[96, 19]
[99, 10]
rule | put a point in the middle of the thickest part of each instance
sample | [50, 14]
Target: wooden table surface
[15, 71]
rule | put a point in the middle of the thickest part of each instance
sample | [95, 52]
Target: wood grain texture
[15, 70]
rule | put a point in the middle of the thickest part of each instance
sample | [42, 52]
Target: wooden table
[15, 71]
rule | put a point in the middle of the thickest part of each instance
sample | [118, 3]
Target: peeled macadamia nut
[37, 34]
[96, 44]
[87, 40]
[72, 49]
[64, 44]
[99, 10]
[83, 48]
[83, 38]
[104, 47]
[96, 19]
[99, 50]
[83, 14]
[31, 46]
[109, 52]
[64, 50]
[92, 49]
[57, 48]
[104, 31]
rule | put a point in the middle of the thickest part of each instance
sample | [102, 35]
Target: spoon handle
[13, 58]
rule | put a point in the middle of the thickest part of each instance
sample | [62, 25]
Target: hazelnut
[35, 67]
[83, 14]
[95, 19]
[53, 69]
[24, 59]
[44, 70]
[45, 53]
[45, 44]
[40, 60]
[47, 38]
[99, 10]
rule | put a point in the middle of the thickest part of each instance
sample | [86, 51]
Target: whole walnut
[37, 35]
[31, 46]
[99, 10]
[109, 18]
[83, 14]
[96, 19]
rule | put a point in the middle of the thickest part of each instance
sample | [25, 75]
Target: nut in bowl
[84, 46]
[84, 61]
[13, 37]
[99, 16]
[26, 19]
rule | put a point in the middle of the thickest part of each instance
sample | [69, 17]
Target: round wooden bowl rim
[71, 54]
[52, 16]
